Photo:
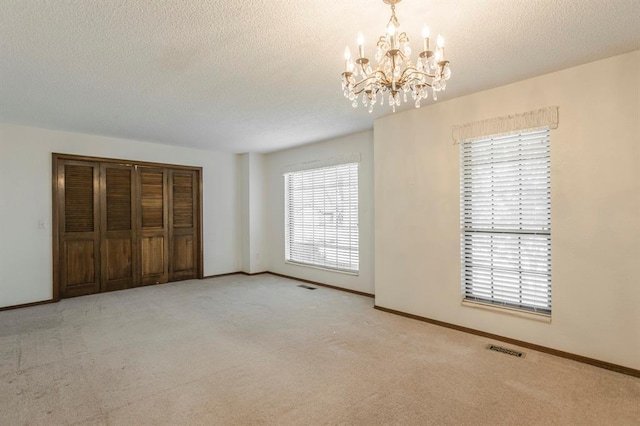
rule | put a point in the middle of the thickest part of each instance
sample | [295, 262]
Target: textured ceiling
[262, 75]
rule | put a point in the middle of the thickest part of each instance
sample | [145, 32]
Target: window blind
[321, 217]
[505, 195]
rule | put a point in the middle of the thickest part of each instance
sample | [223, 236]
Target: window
[321, 217]
[505, 216]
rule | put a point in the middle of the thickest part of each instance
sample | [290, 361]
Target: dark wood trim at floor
[234, 273]
[359, 293]
[583, 359]
[220, 275]
[254, 273]
[28, 305]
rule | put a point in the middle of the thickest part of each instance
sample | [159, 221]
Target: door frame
[57, 184]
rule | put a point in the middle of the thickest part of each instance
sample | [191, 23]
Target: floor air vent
[506, 351]
[308, 287]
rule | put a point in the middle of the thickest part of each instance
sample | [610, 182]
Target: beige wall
[251, 179]
[276, 163]
[25, 200]
[595, 179]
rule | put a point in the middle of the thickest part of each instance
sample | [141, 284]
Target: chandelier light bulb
[360, 44]
[392, 75]
[425, 38]
[391, 30]
[440, 49]
[347, 60]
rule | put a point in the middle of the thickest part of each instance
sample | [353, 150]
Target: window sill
[306, 265]
[546, 318]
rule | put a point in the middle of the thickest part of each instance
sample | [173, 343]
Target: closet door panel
[80, 262]
[153, 225]
[183, 225]
[183, 246]
[118, 239]
[79, 236]
[153, 249]
[119, 256]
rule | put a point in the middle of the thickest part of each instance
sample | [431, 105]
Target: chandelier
[394, 76]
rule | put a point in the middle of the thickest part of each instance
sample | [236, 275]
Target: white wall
[253, 201]
[595, 180]
[276, 164]
[26, 193]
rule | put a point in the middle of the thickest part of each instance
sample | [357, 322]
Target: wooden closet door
[118, 239]
[183, 224]
[78, 227]
[153, 223]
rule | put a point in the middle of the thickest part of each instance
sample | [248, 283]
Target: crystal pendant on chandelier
[394, 71]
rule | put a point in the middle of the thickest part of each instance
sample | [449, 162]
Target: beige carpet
[244, 350]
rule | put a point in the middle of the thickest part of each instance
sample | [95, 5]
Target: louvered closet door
[154, 225]
[118, 242]
[183, 222]
[79, 224]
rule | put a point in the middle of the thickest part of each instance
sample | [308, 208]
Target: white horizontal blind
[505, 199]
[321, 217]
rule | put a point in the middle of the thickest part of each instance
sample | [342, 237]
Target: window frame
[345, 245]
[530, 240]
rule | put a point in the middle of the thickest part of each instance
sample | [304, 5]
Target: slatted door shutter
[118, 238]
[79, 219]
[153, 223]
[183, 222]
[118, 225]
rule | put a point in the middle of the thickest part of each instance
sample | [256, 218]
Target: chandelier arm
[426, 84]
[372, 76]
[414, 70]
